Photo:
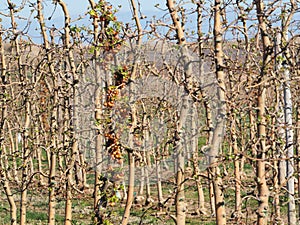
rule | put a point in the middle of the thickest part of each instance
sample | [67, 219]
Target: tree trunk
[131, 157]
[72, 115]
[148, 168]
[263, 190]
[288, 114]
[51, 183]
[54, 120]
[98, 116]
[98, 147]
[142, 181]
[10, 198]
[158, 184]
[298, 151]
[180, 204]
[280, 180]
[211, 195]
[25, 158]
[3, 169]
[194, 146]
[237, 172]
[130, 188]
[25, 128]
[68, 206]
[220, 119]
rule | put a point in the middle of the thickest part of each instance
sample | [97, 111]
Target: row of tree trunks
[41, 96]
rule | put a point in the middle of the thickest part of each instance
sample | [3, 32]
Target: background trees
[201, 93]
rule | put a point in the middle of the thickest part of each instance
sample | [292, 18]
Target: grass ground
[140, 214]
[83, 211]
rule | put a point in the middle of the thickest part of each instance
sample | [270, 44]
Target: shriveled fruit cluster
[112, 142]
[121, 77]
[113, 145]
[111, 95]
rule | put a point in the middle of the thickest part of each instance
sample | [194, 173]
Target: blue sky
[76, 8]
[81, 5]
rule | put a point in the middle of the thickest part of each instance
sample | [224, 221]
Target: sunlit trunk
[130, 190]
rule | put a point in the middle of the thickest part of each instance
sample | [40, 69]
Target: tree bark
[3, 170]
[54, 119]
[298, 150]
[11, 201]
[159, 183]
[288, 116]
[131, 157]
[263, 190]
[130, 190]
[220, 119]
[194, 145]
[23, 205]
[237, 172]
[180, 204]
[290, 150]
[98, 116]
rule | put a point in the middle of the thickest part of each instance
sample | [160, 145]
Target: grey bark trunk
[288, 114]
